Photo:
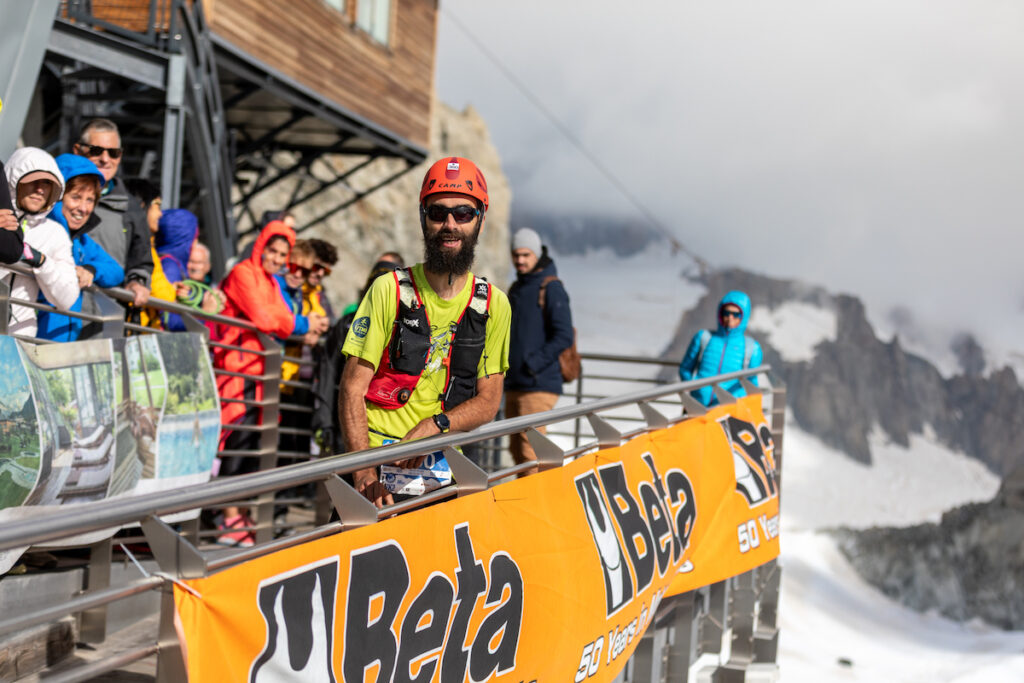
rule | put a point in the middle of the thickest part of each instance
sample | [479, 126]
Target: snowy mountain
[969, 565]
[836, 625]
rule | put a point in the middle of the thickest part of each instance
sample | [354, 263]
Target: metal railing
[647, 404]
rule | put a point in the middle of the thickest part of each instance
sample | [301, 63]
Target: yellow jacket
[310, 304]
[159, 288]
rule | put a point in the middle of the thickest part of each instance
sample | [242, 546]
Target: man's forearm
[480, 409]
[353, 422]
[471, 414]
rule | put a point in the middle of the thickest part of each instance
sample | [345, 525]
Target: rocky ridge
[856, 380]
[969, 565]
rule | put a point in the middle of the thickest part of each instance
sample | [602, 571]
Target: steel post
[94, 620]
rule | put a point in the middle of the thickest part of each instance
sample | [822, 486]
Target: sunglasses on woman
[463, 213]
[302, 271]
[322, 270]
[731, 314]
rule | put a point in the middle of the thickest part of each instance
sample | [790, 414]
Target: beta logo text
[654, 523]
[431, 636]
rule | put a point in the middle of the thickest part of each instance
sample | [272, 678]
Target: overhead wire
[564, 130]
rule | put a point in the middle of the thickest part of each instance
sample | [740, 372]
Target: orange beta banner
[553, 577]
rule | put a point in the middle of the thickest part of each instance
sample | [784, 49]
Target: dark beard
[437, 260]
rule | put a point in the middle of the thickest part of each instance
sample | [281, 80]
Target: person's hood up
[28, 160]
[178, 230]
[740, 299]
[270, 230]
[71, 166]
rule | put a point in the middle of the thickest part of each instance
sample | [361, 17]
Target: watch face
[442, 422]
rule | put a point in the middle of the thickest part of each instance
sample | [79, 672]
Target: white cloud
[870, 146]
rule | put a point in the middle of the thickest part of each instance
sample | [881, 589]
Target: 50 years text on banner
[553, 577]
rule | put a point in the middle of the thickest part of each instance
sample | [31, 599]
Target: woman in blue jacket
[727, 349]
[93, 265]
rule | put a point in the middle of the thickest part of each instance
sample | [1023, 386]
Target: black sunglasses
[296, 269]
[463, 213]
[731, 314]
[96, 150]
[321, 269]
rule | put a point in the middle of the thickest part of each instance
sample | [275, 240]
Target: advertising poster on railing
[102, 418]
[552, 577]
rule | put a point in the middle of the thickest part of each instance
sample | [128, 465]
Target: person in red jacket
[251, 294]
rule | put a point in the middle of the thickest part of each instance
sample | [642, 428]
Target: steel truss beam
[104, 51]
[359, 195]
[261, 143]
[305, 161]
[243, 66]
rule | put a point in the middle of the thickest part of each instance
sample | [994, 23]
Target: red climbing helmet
[455, 174]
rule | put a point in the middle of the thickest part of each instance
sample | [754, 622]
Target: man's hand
[424, 428]
[367, 483]
[317, 323]
[139, 291]
[310, 338]
[84, 276]
[7, 220]
[213, 301]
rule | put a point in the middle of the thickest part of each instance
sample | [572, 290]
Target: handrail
[615, 358]
[61, 523]
[122, 294]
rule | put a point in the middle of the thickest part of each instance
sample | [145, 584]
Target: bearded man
[428, 348]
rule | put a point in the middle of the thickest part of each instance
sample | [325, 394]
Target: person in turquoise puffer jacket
[727, 349]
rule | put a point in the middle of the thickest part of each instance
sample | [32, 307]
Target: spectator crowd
[425, 349]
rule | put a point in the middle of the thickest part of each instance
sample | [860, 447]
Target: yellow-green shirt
[371, 331]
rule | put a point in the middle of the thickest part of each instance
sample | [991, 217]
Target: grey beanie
[526, 238]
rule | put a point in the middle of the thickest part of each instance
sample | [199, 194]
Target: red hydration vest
[406, 353]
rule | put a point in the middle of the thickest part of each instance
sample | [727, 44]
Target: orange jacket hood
[270, 230]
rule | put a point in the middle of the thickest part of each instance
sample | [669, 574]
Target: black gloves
[32, 256]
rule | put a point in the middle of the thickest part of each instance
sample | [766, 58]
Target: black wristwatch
[443, 423]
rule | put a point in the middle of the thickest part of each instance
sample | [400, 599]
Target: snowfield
[827, 613]
[823, 488]
[794, 328]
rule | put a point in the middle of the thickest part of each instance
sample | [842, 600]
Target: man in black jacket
[123, 231]
[541, 330]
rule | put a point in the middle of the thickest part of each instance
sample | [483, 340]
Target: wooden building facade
[209, 93]
[382, 74]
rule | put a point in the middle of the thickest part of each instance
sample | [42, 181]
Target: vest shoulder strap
[705, 337]
[407, 293]
[541, 293]
[480, 301]
[748, 351]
